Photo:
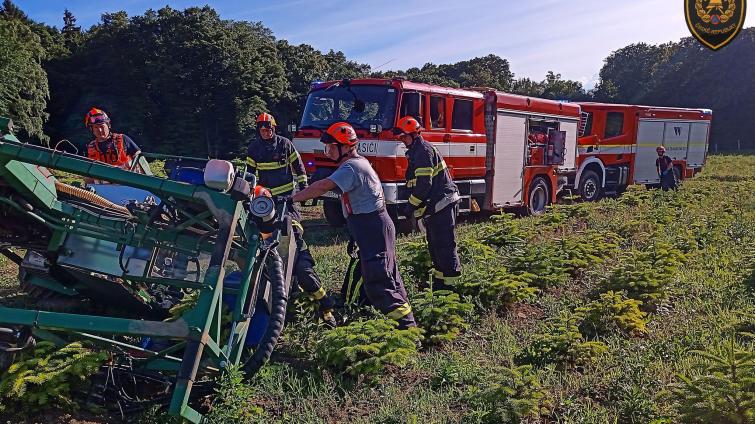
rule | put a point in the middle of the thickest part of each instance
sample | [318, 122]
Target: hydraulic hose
[90, 197]
[279, 299]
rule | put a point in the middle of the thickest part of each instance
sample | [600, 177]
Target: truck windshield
[327, 106]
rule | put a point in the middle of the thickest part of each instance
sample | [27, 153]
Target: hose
[90, 197]
[279, 299]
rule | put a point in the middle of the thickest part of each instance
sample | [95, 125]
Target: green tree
[72, 36]
[554, 87]
[183, 82]
[627, 73]
[23, 82]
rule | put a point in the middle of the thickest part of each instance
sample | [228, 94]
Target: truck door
[675, 139]
[508, 164]
[698, 144]
[570, 145]
[649, 136]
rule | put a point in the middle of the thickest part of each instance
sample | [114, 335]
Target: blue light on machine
[316, 84]
[310, 163]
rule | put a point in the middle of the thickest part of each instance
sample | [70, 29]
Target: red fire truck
[619, 142]
[502, 150]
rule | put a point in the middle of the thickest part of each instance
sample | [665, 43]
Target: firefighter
[279, 168]
[109, 147]
[370, 225]
[433, 198]
[665, 168]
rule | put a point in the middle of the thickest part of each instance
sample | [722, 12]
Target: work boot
[406, 321]
[327, 317]
[327, 304]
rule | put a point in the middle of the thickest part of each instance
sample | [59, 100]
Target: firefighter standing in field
[109, 147]
[434, 198]
[279, 168]
[665, 167]
[370, 225]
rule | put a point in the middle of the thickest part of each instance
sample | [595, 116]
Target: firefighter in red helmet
[279, 168]
[434, 198]
[113, 148]
[665, 168]
[370, 225]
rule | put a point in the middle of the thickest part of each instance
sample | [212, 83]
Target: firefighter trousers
[375, 236]
[304, 269]
[668, 180]
[440, 231]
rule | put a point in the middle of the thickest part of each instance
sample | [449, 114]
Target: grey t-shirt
[361, 186]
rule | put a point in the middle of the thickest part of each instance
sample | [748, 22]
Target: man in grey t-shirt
[362, 190]
[369, 224]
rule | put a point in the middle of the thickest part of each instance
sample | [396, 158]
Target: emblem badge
[714, 23]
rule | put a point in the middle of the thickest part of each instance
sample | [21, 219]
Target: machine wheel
[589, 186]
[333, 213]
[278, 301]
[539, 196]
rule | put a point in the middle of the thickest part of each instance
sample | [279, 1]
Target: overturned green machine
[172, 274]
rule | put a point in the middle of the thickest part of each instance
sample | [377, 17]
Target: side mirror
[291, 128]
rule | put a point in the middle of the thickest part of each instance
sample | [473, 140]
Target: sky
[570, 37]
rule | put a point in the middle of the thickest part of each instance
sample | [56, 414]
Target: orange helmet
[266, 120]
[407, 125]
[96, 116]
[660, 149]
[340, 133]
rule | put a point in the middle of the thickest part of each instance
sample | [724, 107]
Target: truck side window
[411, 105]
[614, 124]
[462, 117]
[437, 112]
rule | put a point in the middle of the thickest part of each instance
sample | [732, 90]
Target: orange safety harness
[115, 154]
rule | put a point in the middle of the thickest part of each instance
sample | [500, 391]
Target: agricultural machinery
[178, 278]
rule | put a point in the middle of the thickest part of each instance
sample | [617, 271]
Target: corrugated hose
[90, 197]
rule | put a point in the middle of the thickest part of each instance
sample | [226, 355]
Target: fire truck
[502, 150]
[619, 141]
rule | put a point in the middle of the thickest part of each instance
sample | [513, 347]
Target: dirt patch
[521, 315]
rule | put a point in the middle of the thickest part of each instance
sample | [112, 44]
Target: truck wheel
[539, 196]
[589, 186]
[333, 213]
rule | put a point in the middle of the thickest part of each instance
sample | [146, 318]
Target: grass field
[633, 310]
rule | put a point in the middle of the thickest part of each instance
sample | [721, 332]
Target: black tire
[278, 301]
[333, 213]
[538, 196]
[589, 186]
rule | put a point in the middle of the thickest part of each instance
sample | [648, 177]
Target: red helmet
[407, 125]
[660, 149]
[340, 133]
[266, 120]
[96, 116]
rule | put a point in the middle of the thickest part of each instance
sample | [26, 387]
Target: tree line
[189, 82]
